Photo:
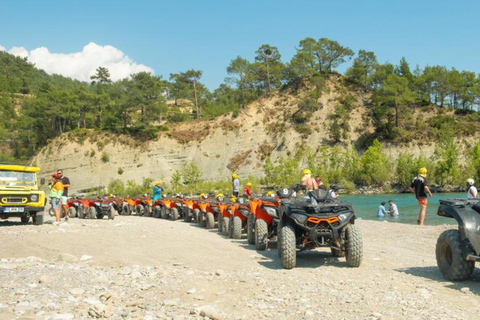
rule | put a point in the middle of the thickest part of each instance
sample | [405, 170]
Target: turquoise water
[366, 207]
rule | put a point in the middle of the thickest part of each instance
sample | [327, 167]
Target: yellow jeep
[19, 194]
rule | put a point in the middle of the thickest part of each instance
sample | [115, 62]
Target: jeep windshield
[16, 178]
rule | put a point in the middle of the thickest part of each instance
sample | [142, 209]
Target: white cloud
[82, 65]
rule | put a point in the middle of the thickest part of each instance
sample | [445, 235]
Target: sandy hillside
[146, 268]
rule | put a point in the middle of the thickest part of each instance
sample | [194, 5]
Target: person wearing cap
[308, 181]
[419, 186]
[157, 191]
[64, 200]
[472, 192]
[235, 185]
[56, 191]
[248, 190]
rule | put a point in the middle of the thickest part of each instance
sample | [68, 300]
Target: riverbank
[145, 268]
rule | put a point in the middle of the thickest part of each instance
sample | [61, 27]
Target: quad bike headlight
[34, 198]
[344, 216]
[270, 211]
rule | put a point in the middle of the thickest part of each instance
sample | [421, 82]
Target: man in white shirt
[393, 210]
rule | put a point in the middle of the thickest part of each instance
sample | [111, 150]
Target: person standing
[472, 192]
[235, 185]
[157, 192]
[392, 210]
[248, 190]
[66, 184]
[308, 181]
[419, 186]
[381, 212]
[56, 191]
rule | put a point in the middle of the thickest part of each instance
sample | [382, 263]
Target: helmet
[470, 181]
[205, 196]
[234, 176]
[269, 193]
[249, 184]
[306, 171]
[220, 195]
[422, 170]
[157, 183]
[201, 195]
[233, 199]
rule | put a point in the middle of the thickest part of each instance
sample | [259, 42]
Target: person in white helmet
[472, 192]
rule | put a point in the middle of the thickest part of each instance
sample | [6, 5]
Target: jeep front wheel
[449, 256]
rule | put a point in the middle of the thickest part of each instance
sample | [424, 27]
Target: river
[366, 207]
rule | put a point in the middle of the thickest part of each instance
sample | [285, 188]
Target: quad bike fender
[468, 221]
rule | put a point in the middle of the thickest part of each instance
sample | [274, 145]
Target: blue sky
[174, 36]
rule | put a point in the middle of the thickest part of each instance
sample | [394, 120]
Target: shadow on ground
[433, 273]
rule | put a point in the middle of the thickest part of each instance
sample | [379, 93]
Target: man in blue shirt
[381, 212]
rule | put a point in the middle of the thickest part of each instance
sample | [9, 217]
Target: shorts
[64, 201]
[422, 201]
[55, 204]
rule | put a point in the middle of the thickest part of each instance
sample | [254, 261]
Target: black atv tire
[157, 212]
[111, 214]
[251, 229]
[139, 210]
[450, 259]
[25, 219]
[37, 218]
[261, 235]
[164, 213]
[126, 210]
[210, 221]
[287, 246]
[72, 212]
[148, 211]
[237, 228]
[174, 214]
[353, 246]
[230, 227]
[92, 213]
[187, 215]
[100, 216]
[337, 253]
[220, 224]
[279, 227]
[225, 225]
[196, 216]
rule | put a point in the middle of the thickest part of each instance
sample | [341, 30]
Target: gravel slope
[146, 268]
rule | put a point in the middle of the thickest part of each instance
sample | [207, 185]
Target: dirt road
[146, 268]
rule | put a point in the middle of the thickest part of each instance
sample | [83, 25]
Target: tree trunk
[196, 99]
[268, 76]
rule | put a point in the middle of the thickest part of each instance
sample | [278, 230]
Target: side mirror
[42, 181]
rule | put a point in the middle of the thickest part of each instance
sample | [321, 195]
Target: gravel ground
[146, 268]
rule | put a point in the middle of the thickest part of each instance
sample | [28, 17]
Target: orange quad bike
[128, 206]
[213, 213]
[165, 208]
[142, 206]
[82, 211]
[75, 207]
[117, 204]
[262, 224]
[203, 208]
[224, 219]
[239, 218]
[191, 207]
[171, 208]
[178, 207]
[157, 208]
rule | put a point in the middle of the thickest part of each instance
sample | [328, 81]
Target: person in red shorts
[419, 186]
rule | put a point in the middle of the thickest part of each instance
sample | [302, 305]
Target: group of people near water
[419, 187]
